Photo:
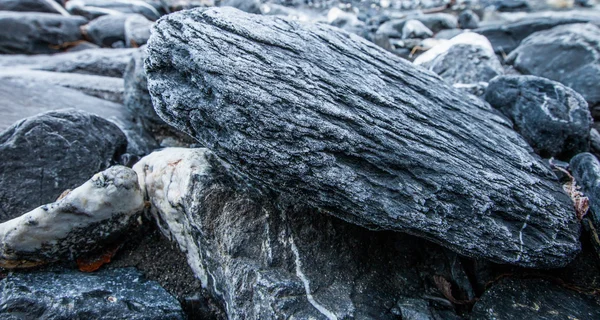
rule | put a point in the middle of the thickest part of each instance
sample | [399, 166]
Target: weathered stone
[506, 37]
[46, 154]
[534, 299]
[264, 259]
[326, 116]
[250, 6]
[32, 32]
[92, 9]
[553, 119]
[137, 30]
[437, 21]
[66, 294]
[467, 61]
[569, 54]
[85, 220]
[102, 62]
[48, 6]
[107, 31]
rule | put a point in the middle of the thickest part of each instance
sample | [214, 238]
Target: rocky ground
[245, 159]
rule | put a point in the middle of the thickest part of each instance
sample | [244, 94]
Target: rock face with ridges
[569, 54]
[332, 119]
[108, 294]
[554, 119]
[266, 258]
[95, 214]
[32, 32]
[46, 154]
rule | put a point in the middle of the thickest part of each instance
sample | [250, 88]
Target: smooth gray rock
[346, 127]
[553, 119]
[437, 21]
[33, 33]
[86, 220]
[506, 37]
[415, 29]
[48, 6]
[468, 20]
[264, 259]
[92, 9]
[534, 299]
[569, 54]
[107, 31]
[65, 294]
[137, 30]
[102, 62]
[106, 88]
[44, 155]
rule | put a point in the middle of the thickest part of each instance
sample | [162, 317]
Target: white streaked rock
[81, 222]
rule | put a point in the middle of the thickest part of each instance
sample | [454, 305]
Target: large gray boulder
[44, 155]
[314, 112]
[268, 258]
[569, 54]
[553, 119]
[107, 31]
[32, 32]
[66, 294]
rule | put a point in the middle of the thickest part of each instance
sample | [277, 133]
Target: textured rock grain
[330, 118]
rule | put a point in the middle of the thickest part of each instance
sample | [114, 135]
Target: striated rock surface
[108, 294]
[554, 119]
[82, 221]
[534, 299]
[92, 9]
[268, 259]
[569, 54]
[33, 32]
[46, 154]
[333, 120]
[49, 6]
[586, 171]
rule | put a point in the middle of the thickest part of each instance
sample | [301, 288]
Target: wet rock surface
[569, 54]
[354, 153]
[66, 294]
[44, 155]
[554, 119]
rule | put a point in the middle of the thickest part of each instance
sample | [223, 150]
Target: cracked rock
[310, 111]
[268, 258]
[84, 220]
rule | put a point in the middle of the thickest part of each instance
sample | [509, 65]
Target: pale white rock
[442, 47]
[80, 222]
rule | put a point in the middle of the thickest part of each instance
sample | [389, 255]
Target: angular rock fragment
[506, 37]
[467, 61]
[348, 128]
[65, 294]
[553, 119]
[33, 33]
[268, 259]
[46, 154]
[85, 220]
[569, 54]
[586, 171]
[535, 299]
